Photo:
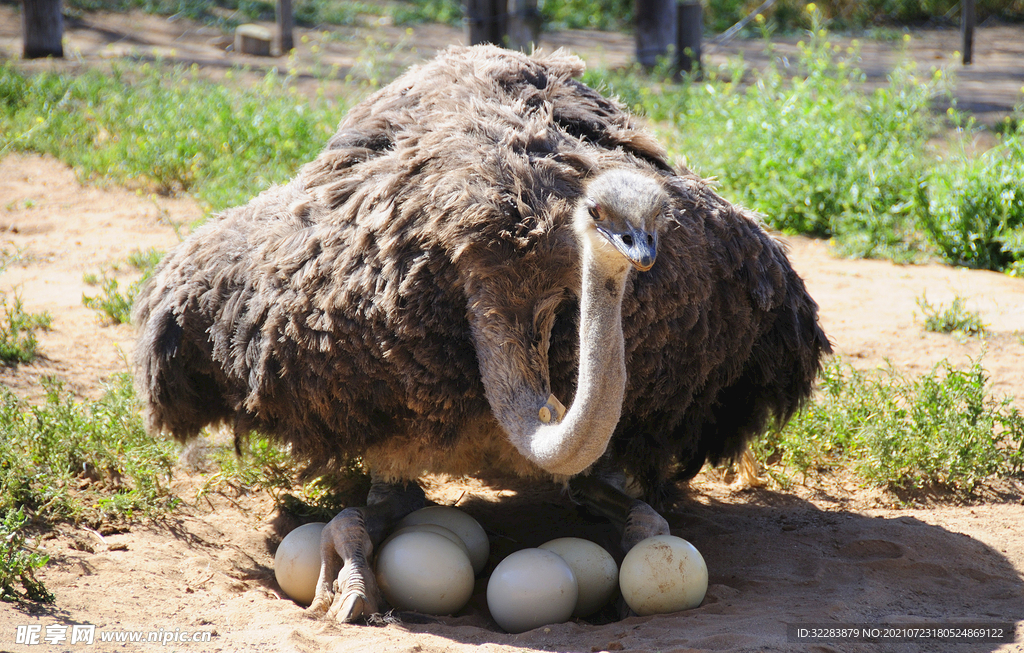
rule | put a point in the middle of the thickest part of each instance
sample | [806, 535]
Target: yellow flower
[906, 38]
[759, 18]
[810, 8]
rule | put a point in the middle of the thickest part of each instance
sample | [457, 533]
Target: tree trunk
[285, 26]
[486, 21]
[967, 18]
[689, 31]
[524, 23]
[42, 28]
[655, 30]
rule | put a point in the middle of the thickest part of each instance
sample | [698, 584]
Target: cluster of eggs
[430, 561]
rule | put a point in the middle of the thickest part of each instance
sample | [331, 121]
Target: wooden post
[285, 26]
[524, 23]
[967, 30]
[689, 32]
[655, 30]
[42, 26]
[486, 21]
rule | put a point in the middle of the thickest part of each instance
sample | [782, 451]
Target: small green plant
[18, 329]
[144, 260]
[18, 562]
[972, 208]
[956, 318]
[942, 429]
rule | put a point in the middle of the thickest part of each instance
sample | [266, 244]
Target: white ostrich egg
[431, 528]
[596, 573]
[297, 562]
[529, 589]
[425, 572]
[458, 522]
[663, 574]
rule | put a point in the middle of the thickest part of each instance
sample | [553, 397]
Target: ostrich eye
[595, 212]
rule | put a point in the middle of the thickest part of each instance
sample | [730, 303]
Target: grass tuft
[113, 304]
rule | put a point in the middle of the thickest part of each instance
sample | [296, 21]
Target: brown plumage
[342, 312]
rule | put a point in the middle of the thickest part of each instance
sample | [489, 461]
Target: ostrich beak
[637, 245]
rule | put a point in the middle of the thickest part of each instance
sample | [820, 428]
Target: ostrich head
[619, 216]
[616, 224]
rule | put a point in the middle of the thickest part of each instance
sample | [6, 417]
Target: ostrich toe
[347, 588]
[642, 522]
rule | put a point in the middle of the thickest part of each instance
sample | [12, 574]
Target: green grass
[262, 464]
[166, 129]
[972, 208]
[955, 319]
[943, 429]
[66, 460]
[83, 461]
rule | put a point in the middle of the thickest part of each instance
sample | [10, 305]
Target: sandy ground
[808, 555]
[832, 553]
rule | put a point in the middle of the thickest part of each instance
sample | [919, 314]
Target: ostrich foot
[633, 518]
[642, 522]
[746, 473]
[347, 589]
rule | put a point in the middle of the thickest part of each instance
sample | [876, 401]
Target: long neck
[582, 436]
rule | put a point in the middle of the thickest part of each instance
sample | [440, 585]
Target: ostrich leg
[347, 589]
[635, 519]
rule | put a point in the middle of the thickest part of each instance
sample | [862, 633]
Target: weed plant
[18, 329]
[956, 319]
[941, 429]
[259, 463]
[18, 562]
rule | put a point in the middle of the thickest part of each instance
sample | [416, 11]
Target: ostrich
[481, 240]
